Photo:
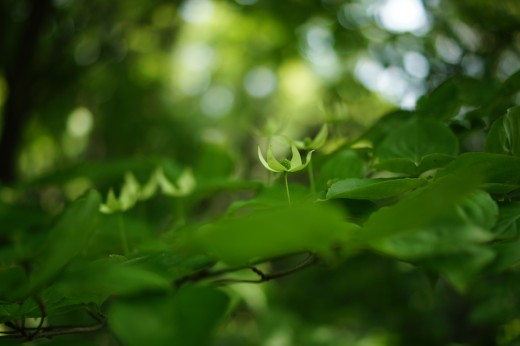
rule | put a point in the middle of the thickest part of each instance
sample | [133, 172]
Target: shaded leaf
[104, 278]
[462, 267]
[418, 209]
[491, 168]
[341, 165]
[442, 103]
[66, 239]
[188, 317]
[504, 135]
[416, 139]
[454, 243]
[508, 223]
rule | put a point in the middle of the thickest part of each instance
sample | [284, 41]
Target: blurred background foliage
[87, 80]
[90, 89]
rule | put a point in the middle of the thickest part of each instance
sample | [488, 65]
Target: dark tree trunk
[20, 80]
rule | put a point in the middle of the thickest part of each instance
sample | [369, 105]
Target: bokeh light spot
[416, 65]
[197, 11]
[217, 101]
[403, 16]
[80, 122]
[260, 82]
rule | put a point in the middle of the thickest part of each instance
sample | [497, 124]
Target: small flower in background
[132, 191]
[294, 165]
[127, 198]
[184, 185]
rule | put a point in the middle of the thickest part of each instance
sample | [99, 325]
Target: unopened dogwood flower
[132, 191]
[127, 198]
[315, 143]
[294, 165]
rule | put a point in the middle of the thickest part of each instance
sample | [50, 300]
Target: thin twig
[310, 260]
[96, 316]
[205, 274]
[43, 311]
[49, 332]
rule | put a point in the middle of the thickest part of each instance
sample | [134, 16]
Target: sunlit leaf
[373, 189]
[276, 232]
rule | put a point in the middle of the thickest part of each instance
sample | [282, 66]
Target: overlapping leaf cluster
[409, 190]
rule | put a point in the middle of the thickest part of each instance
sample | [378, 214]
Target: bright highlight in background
[403, 16]
[80, 122]
[260, 82]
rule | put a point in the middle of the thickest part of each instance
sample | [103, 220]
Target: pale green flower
[127, 198]
[294, 165]
[132, 191]
[184, 185]
[315, 143]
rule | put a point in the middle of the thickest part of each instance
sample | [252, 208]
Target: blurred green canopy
[96, 80]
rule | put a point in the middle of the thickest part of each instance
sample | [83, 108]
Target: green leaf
[13, 279]
[14, 218]
[104, 278]
[500, 189]
[507, 254]
[373, 189]
[462, 267]
[468, 222]
[508, 223]
[504, 135]
[65, 240]
[408, 166]
[490, 168]
[453, 243]
[385, 125]
[442, 103]
[269, 197]
[416, 139]
[275, 232]
[432, 161]
[341, 165]
[186, 318]
[478, 209]
[398, 165]
[418, 209]
[212, 162]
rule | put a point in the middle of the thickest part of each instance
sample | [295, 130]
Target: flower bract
[315, 143]
[294, 165]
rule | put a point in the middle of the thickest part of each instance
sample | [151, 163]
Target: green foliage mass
[159, 224]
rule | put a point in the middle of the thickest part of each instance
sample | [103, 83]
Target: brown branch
[49, 332]
[310, 260]
[40, 332]
[207, 274]
[43, 310]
